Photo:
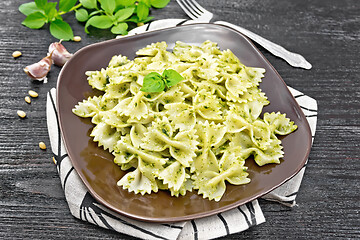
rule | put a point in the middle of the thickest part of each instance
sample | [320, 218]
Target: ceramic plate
[95, 166]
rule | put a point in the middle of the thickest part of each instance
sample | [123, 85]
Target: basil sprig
[103, 14]
[154, 82]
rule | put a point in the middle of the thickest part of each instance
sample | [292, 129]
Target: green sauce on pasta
[195, 135]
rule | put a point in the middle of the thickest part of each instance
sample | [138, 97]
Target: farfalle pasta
[195, 135]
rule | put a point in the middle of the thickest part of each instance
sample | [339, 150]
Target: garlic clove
[39, 70]
[59, 53]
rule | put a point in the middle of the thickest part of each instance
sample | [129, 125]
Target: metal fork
[198, 13]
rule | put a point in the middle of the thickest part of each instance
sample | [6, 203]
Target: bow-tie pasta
[195, 135]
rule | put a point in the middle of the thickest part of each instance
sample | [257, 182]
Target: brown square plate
[95, 166]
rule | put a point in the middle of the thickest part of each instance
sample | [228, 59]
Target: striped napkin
[83, 206]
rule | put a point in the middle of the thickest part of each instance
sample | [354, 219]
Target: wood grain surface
[326, 32]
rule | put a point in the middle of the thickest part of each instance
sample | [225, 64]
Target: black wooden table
[326, 32]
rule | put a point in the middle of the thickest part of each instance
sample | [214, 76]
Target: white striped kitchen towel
[83, 206]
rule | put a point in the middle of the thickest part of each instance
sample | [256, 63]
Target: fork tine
[197, 6]
[191, 5]
[194, 10]
[188, 9]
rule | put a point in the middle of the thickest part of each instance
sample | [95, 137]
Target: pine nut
[77, 39]
[21, 114]
[33, 94]
[42, 145]
[140, 24]
[16, 54]
[27, 99]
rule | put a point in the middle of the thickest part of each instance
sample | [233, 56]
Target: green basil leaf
[120, 28]
[66, 5]
[133, 19]
[101, 22]
[81, 15]
[87, 24]
[159, 3]
[50, 11]
[89, 4]
[95, 12]
[153, 82]
[61, 30]
[124, 13]
[142, 11]
[148, 19]
[146, 2]
[35, 20]
[29, 8]
[58, 17]
[125, 3]
[41, 3]
[171, 77]
[108, 6]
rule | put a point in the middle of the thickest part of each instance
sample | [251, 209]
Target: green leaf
[95, 12]
[124, 13]
[29, 8]
[142, 11]
[89, 4]
[35, 20]
[50, 11]
[148, 19]
[66, 5]
[108, 6]
[146, 2]
[101, 22]
[61, 30]
[41, 3]
[159, 3]
[134, 19]
[81, 15]
[125, 3]
[171, 77]
[58, 17]
[87, 24]
[153, 82]
[120, 28]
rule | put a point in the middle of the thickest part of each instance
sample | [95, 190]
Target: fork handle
[294, 59]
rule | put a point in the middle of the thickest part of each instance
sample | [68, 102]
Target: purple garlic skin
[39, 70]
[59, 54]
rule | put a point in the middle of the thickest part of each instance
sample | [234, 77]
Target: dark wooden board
[326, 32]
